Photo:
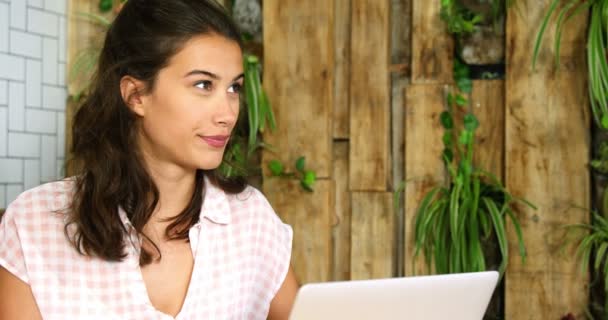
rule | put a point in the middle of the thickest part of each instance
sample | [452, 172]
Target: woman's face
[187, 118]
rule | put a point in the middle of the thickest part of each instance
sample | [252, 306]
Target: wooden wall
[534, 135]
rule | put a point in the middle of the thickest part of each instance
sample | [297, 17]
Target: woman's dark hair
[110, 168]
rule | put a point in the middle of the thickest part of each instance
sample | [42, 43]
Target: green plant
[593, 247]
[453, 220]
[307, 177]
[596, 48]
[462, 20]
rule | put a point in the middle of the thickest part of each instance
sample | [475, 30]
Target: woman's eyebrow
[211, 74]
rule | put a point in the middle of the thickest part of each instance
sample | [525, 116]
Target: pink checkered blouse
[241, 255]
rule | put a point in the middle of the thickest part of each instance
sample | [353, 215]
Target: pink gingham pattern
[241, 248]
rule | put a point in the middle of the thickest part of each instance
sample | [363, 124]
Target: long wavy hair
[110, 171]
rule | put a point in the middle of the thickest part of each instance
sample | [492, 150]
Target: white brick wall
[33, 95]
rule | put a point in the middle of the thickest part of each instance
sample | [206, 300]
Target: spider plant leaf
[454, 210]
[252, 103]
[95, 18]
[520, 236]
[499, 229]
[559, 27]
[539, 37]
[599, 256]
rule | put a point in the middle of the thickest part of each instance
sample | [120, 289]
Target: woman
[149, 229]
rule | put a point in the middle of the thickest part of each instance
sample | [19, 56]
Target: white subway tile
[13, 190]
[11, 170]
[3, 131]
[61, 134]
[16, 106]
[48, 160]
[60, 168]
[3, 203]
[23, 145]
[3, 92]
[49, 61]
[18, 14]
[54, 97]
[26, 44]
[61, 74]
[40, 121]
[4, 26]
[35, 3]
[13, 68]
[57, 6]
[42, 22]
[31, 173]
[63, 44]
[33, 83]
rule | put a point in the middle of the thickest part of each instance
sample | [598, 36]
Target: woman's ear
[131, 91]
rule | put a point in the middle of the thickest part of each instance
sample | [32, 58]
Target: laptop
[463, 296]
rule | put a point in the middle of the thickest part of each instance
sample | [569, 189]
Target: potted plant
[479, 30]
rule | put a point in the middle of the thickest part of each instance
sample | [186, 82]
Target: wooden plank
[373, 235]
[424, 168]
[547, 148]
[310, 214]
[488, 104]
[342, 68]
[370, 96]
[432, 46]
[298, 77]
[342, 223]
[401, 55]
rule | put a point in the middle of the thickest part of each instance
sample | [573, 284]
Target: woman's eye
[205, 85]
[235, 88]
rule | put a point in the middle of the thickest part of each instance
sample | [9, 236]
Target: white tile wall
[11, 170]
[16, 106]
[33, 83]
[3, 92]
[50, 54]
[3, 131]
[48, 161]
[42, 22]
[3, 203]
[25, 145]
[33, 95]
[18, 16]
[31, 173]
[54, 97]
[35, 3]
[4, 27]
[12, 67]
[57, 6]
[40, 121]
[26, 44]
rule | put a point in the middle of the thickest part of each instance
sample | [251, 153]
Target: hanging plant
[473, 206]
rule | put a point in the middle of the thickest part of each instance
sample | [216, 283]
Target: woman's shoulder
[40, 202]
[250, 202]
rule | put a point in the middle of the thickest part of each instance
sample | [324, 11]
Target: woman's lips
[216, 141]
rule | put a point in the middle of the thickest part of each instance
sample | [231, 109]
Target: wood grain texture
[432, 46]
[547, 148]
[310, 214]
[373, 235]
[370, 96]
[342, 44]
[488, 105]
[342, 214]
[424, 168]
[298, 77]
